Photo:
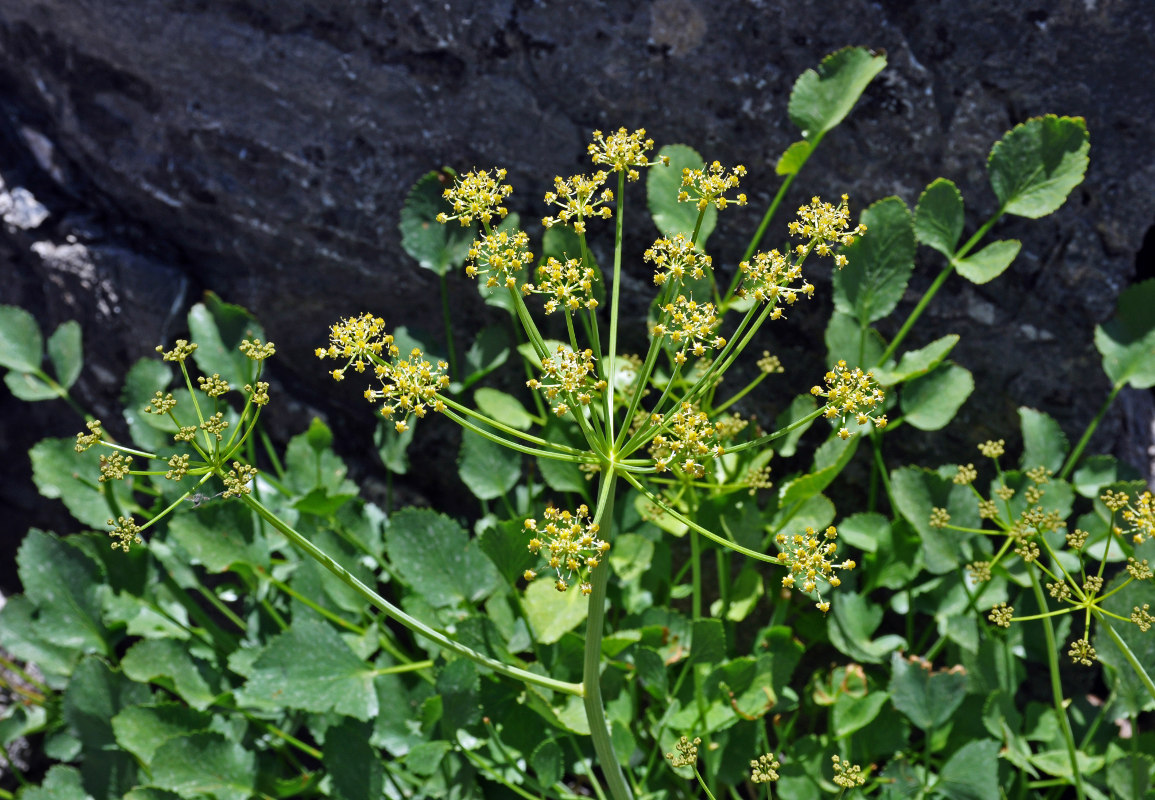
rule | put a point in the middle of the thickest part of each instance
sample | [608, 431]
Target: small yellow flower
[692, 439]
[808, 555]
[214, 386]
[622, 151]
[579, 199]
[690, 327]
[568, 376]
[360, 341]
[675, 258]
[256, 351]
[570, 544]
[499, 256]
[114, 467]
[851, 392]
[966, 475]
[824, 225]
[764, 769]
[706, 186]
[477, 195]
[259, 393]
[568, 284]
[161, 404]
[770, 278]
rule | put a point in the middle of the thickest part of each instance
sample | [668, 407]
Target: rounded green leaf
[487, 468]
[353, 765]
[990, 262]
[1127, 341]
[552, 614]
[432, 245]
[55, 466]
[21, 345]
[938, 217]
[205, 765]
[662, 187]
[822, 98]
[142, 729]
[916, 363]
[503, 407]
[1044, 443]
[850, 341]
[66, 352]
[1037, 164]
[793, 158]
[972, 773]
[916, 493]
[168, 659]
[433, 554]
[28, 387]
[218, 328]
[928, 698]
[930, 402]
[880, 263]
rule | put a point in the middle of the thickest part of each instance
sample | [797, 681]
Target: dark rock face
[262, 149]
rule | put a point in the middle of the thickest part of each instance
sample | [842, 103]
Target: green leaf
[65, 584]
[432, 245]
[319, 436]
[707, 641]
[807, 486]
[1127, 340]
[309, 667]
[931, 401]
[822, 98]
[880, 263]
[1128, 690]
[1097, 472]
[801, 406]
[352, 763]
[487, 468]
[552, 614]
[56, 467]
[939, 218]
[662, 187]
[864, 531]
[1129, 778]
[94, 697]
[392, 447]
[503, 407]
[205, 765]
[61, 783]
[21, 345]
[927, 698]
[29, 388]
[506, 544]
[1044, 443]
[220, 536]
[459, 686]
[563, 476]
[990, 262]
[218, 328]
[488, 351]
[850, 341]
[438, 560]
[916, 492]
[1036, 165]
[851, 624]
[424, 759]
[142, 729]
[170, 661]
[972, 773]
[66, 353]
[548, 762]
[631, 556]
[855, 713]
[793, 158]
[916, 363]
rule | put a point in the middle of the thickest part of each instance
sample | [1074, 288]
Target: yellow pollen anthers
[706, 186]
[851, 392]
[579, 199]
[499, 256]
[622, 151]
[477, 195]
[690, 327]
[570, 544]
[824, 225]
[568, 378]
[675, 258]
[769, 278]
[1140, 517]
[568, 285]
[808, 555]
[359, 341]
[692, 440]
[409, 386]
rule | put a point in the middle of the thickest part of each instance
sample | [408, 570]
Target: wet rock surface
[152, 150]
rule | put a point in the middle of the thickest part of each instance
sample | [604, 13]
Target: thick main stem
[592, 660]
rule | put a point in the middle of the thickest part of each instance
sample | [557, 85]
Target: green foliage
[282, 636]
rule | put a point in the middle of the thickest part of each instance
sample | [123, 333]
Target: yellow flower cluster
[690, 327]
[87, 440]
[824, 225]
[358, 341]
[622, 151]
[568, 284]
[674, 258]
[578, 199]
[238, 479]
[476, 195]
[125, 532]
[409, 386]
[687, 754]
[570, 543]
[706, 186]
[180, 351]
[499, 256]
[808, 556]
[769, 278]
[568, 375]
[851, 391]
[1140, 516]
[847, 775]
[764, 769]
[692, 440]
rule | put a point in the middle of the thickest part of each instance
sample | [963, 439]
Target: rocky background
[153, 150]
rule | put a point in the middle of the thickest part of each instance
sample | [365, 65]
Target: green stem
[396, 614]
[592, 657]
[448, 320]
[1136, 665]
[615, 302]
[1073, 458]
[1056, 685]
